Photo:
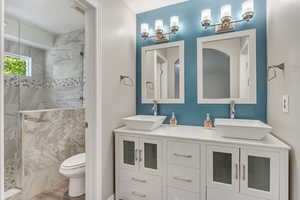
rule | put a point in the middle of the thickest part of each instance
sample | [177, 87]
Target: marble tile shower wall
[48, 138]
[56, 82]
[55, 72]
[65, 66]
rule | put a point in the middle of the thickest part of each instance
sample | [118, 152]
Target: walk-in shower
[43, 82]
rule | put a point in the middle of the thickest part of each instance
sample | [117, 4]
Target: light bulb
[174, 21]
[226, 11]
[144, 28]
[159, 25]
[248, 10]
[247, 6]
[206, 15]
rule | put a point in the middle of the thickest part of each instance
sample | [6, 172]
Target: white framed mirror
[227, 68]
[163, 73]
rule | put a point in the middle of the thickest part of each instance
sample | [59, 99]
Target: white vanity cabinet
[242, 171]
[183, 170]
[192, 163]
[139, 172]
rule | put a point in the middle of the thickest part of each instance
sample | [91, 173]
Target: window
[17, 64]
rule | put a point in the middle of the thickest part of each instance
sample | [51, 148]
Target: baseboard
[112, 197]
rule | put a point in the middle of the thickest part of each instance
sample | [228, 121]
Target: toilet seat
[74, 162]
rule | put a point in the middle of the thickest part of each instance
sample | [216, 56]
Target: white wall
[119, 27]
[28, 33]
[284, 46]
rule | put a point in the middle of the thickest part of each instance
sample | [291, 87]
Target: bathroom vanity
[193, 163]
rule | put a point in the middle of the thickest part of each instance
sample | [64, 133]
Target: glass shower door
[14, 67]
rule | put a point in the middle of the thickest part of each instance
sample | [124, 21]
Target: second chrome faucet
[232, 110]
[155, 108]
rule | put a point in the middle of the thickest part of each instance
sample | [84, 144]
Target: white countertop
[202, 134]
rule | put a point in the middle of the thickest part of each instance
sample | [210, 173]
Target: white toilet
[74, 169]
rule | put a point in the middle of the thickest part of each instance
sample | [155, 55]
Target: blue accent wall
[189, 14]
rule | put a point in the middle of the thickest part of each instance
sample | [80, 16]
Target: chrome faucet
[232, 109]
[154, 107]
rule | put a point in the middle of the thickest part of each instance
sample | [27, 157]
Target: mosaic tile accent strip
[15, 82]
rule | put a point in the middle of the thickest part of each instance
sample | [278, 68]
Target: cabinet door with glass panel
[150, 156]
[260, 173]
[243, 171]
[129, 146]
[140, 154]
[223, 168]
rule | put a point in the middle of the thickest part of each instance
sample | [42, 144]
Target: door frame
[92, 94]
[1, 101]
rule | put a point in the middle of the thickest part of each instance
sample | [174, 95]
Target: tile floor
[60, 194]
[57, 195]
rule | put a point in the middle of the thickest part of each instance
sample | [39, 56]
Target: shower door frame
[1, 101]
[92, 95]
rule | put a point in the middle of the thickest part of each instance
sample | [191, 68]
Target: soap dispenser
[208, 122]
[173, 121]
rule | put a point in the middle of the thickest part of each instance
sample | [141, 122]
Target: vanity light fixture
[159, 35]
[226, 23]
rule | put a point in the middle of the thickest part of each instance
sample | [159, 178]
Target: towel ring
[125, 77]
[274, 68]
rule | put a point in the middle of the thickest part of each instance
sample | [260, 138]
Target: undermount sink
[144, 122]
[243, 129]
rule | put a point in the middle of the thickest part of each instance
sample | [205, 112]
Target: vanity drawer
[184, 178]
[184, 154]
[176, 194]
[128, 191]
[140, 179]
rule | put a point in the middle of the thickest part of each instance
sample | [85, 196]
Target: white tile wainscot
[193, 163]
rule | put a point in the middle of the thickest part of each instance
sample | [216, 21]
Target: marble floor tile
[60, 194]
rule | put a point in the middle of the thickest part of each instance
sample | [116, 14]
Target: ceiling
[139, 6]
[55, 16]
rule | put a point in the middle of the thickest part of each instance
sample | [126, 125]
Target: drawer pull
[236, 171]
[136, 155]
[138, 180]
[140, 156]
[244, 172]
[138, 194]
[182, 155]
[183, 179]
